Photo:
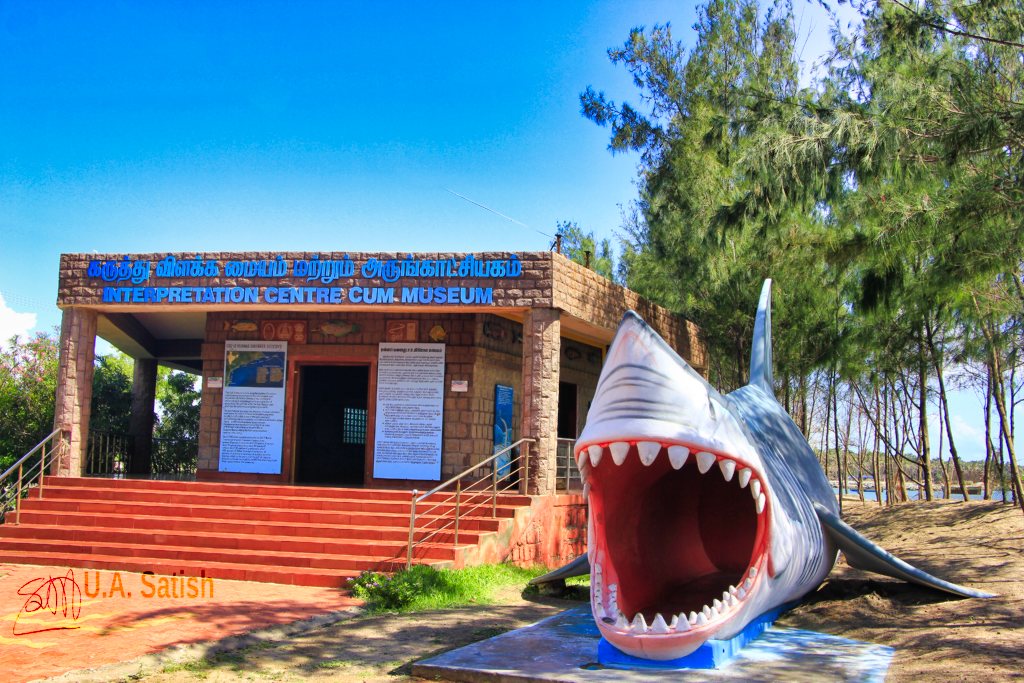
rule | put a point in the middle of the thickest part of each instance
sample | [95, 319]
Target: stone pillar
[541, 354]
[140, 425]
[74, 388]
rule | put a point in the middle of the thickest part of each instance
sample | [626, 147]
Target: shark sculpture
[706, 511]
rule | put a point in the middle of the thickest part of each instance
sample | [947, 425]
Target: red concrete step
[508, 499]
[219, 487]
[438, 548]
[44, 517]
[373, 557]
[126, 495]
[314, 536]
[254, 515]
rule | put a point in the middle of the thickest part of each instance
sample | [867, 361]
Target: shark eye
[711, 409]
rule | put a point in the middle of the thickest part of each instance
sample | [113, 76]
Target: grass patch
[333, 664]
[425, 588]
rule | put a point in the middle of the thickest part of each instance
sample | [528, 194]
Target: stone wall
[582, 293]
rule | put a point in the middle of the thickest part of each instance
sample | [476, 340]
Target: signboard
[285, 282]
[410, 406]
[503, 397]
[252, 412]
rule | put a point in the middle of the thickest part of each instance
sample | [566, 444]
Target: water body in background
[913, 494]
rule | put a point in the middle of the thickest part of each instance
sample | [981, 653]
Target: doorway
[332, 424]
[567, 410]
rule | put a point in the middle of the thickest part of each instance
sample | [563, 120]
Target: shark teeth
[728, 467]
[744, 478]
[619, 450]
[607, 607]
[648, 451]
[704, 461]
[589, 457]
[677, 456]
[659, 625]
[605, 600]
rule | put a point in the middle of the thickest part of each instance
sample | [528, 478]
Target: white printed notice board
[252, 412]
[410, 407]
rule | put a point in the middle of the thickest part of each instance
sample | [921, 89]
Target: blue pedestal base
[713, 654]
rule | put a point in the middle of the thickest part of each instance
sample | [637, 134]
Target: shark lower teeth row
[648, 452]
[677, 623]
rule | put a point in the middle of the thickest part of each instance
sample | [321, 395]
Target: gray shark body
[706, 511]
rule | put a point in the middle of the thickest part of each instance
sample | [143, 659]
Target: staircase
[310, 536]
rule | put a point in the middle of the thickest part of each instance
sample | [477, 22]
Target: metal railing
[108, 454]
[112, 454]
[451, 506]
[27, 474]
[567, 477]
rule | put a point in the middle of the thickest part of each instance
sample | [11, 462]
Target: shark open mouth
[678, 540]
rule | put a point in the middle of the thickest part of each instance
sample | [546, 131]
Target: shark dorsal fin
[761, 347]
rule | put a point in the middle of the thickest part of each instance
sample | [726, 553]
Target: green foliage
[683, 246]
[179, 402]
[885, 200]
[577, 245]
[177, 431]
[424, 588]
[111, 393]
[28, 382]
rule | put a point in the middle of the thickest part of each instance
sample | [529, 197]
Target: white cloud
[14, 323]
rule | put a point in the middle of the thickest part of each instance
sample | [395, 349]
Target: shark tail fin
[761, 347]
[863, 554]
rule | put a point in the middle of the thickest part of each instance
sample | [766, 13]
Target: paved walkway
[59, 619]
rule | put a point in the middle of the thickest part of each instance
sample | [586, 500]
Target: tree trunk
[803, 405]
[1000, 398]
[947, 492]
[926, 452]
[953, 455]
[874, 458]
[988, 436]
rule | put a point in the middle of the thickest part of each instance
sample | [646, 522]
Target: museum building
[385, 370]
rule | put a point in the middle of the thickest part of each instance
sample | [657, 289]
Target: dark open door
[332, 424]
[567, 410]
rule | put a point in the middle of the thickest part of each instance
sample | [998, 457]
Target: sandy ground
[935, 637]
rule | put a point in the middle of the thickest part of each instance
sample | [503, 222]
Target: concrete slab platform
[564, 648]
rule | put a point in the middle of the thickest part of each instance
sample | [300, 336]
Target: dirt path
[981, 544]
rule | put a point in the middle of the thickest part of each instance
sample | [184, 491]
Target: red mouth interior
[675, 539]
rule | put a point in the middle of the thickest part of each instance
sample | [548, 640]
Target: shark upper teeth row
[648, 452]
[607, 609]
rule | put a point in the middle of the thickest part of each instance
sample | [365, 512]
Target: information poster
[252, 412]
[410, 406]
[503, 426]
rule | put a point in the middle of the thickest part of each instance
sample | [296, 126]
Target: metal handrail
[522, 468]
[26, 479]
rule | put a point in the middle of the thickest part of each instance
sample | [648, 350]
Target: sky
[333, 126]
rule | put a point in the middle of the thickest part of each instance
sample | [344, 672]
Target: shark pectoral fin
[863, 554]
[578, 567]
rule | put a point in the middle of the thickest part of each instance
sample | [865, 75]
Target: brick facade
[548, 324]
